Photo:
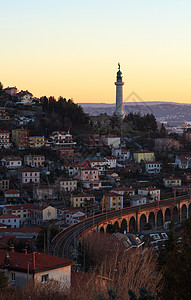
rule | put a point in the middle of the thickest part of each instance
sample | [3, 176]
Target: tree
[144, 294]
[111, 294]
[1, 87]
[3, 280]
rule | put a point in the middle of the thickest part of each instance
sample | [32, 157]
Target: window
[45, 278]
[12, 276]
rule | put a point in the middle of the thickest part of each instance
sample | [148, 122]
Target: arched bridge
[133, 219]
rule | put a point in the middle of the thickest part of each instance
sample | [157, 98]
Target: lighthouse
[119, 94]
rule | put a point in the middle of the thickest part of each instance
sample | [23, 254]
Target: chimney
[34, 263]
[25, 251]
[6, 259]
[12, 248]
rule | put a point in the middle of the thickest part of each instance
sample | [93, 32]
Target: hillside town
[56, 174]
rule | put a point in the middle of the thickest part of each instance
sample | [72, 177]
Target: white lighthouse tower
[119, 94]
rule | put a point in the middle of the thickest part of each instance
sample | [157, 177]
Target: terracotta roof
[65, 149]
[20, 206]
[72, 209]
[112, 195]
[170, 178]
[144, 151]
[8, 217]
[150, 188]
[153, 162]
[111, 136]
[125, 150]
[12, 158]
[12, 192]
[37, 261]
[82, 195]
[123, 188]
[41, 207]
[96, 160]
[110, 157]
[66, 179]
[29, 170]
[4, 131]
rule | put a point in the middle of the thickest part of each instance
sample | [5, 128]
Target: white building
[67, 184]
[73, 216]
[10, 220]
[183, 161]
[137, 200]
[61, 139]
[112, 141]
[11, 162]
[25, 97]
[153, 193]
[29, 175]
[22, 211]
[111, 162]
[153, 167]
[122, 155]
[122, 190]
[22, 267]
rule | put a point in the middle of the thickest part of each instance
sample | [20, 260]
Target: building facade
[82, 200]
[34, 160]
[144, 155]
[112, 201]
[21, 138]
[36, 141]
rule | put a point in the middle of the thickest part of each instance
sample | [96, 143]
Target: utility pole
[27, 271]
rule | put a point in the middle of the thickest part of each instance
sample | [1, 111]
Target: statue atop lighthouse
[119, 94]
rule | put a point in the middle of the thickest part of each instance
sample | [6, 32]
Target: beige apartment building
[112, 201]
[82, 200]
[67, 184]
[44, 192]
[34, 160]
[21, 138]
[36, 141]
[4, 184]
[4, 138]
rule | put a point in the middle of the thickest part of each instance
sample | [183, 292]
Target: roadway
[63, 242]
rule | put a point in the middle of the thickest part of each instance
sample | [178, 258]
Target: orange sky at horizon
[72, 49]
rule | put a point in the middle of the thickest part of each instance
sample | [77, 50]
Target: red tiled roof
[8, 217]
[171, 178]
[110, 136]
[123, 188]
[12, 192]
[4, 131]
[12, 158]
[144, 151]
[20, 206]
[31, 170]
[112, 195]
[82, 195]
[153, 162]
[37, 261]
[66, 179]
[150, 188]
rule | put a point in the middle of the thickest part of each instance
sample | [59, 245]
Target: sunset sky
[71, 48]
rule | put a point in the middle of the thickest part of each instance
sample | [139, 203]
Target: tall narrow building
[119, 94]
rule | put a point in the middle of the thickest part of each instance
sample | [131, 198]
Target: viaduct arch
[137, 220]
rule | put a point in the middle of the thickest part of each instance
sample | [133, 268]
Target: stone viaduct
[177, 210]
